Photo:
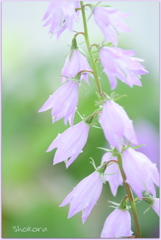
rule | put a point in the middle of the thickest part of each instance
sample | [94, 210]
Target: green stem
[89, 49]
[131, 198]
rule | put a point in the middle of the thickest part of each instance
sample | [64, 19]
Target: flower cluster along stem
[131, 198]
[89, 49]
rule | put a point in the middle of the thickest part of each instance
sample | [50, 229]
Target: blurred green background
[32, 187]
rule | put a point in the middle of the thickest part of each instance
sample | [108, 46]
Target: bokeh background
[33, 188]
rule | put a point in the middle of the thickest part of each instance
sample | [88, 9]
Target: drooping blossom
[117, 224]
[63, 102]
[116, 124]
[61, 15]
[141, 173]
[70, 143]
[74, 64]
[120, 63]
[109, 21]
[114, 178]
[84, 196]
[156, 205]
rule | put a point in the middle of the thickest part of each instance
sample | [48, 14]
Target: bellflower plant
[63, 102]
[61, 15]
[70, 143]
[110, 23]
[84, 196]
[121, 165]
[120, 63]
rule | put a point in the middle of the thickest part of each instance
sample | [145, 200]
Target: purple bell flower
[117, 225]
[141, 173]
[109, 21]
[70, 143]
[119, 63]
[116, 124]
[61, 15]
[84, 196]
[74, 64]
[63, 102]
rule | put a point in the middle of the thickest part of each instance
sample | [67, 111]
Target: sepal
[150, 200]
[123, 205]
[73, 47]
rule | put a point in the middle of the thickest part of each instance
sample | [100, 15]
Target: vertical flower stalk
[89, 51]
[138, 234]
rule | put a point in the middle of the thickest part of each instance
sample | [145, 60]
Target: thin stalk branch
[78, 34]
[131, 198]
[111, 161]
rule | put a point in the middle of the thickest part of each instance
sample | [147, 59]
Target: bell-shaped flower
[112, 173]
[117, 225]
[63, 102]
[156, 206]
[109, 21]
[70, 143]
[141, 173]
[75, 63]
[61, 15]
[116, 124]
[120, 63]
[84, 196]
